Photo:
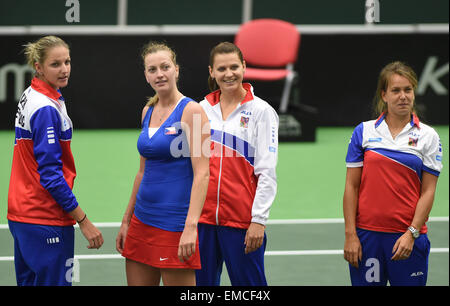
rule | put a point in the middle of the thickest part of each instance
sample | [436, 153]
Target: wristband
[82, 219]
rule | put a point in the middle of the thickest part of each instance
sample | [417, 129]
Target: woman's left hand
[254, 237]
[187, 243]
[403, 247]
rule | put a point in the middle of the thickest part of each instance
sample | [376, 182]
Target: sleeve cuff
[431, 171]
[259, 220]
[355, 165]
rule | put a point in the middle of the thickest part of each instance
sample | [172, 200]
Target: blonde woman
[41, 206]
[158, 236]
[393, 164]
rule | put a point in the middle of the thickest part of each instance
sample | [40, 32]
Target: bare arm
[425, 203]
[404, 245]
[198, 134]
[120, 240]
[352, 246]
[137, 182]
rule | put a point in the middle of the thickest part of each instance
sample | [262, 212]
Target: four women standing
[192, 209]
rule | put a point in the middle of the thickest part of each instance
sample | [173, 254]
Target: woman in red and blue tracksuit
[393, 164]
[41, 206]
[242, 185]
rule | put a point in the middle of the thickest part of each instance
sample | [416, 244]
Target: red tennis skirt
[156, 247]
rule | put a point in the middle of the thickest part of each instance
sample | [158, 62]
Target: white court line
[285, 221]
[330, 252]
[212, 29]
[333, 220]
[274, 221]
[267, 253]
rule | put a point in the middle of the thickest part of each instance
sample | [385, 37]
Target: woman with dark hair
[242, 185]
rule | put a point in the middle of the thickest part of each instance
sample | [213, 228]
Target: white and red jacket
[244, 152]
[43, 169]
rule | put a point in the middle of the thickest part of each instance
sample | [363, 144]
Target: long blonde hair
[36, 52]
[399, 68]
[153, 47]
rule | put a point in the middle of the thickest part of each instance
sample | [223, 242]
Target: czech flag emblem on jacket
[244, 122]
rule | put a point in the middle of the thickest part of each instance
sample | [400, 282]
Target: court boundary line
[267, 253]
[269, 222]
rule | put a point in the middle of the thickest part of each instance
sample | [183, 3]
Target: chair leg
[286, 92]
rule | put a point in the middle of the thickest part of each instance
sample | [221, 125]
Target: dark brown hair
[223, 47]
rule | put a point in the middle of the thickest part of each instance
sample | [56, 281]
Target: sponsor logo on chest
[245, 118]
[413, 138]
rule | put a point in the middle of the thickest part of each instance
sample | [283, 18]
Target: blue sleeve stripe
[355, 152]
[431, 171]
[22, 133]
[66, 135]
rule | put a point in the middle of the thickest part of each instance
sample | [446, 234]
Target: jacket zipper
[220, 173]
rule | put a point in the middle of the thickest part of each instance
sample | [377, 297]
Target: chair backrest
[268, 42]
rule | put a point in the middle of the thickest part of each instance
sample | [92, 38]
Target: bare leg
[139, 274]
[178, 277]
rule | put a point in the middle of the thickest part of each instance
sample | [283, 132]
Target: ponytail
[36, 52]
[212, 84]
[152, 100]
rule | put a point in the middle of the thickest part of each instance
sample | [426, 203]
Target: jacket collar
[45, 89]
[414, 120]
[214, 97]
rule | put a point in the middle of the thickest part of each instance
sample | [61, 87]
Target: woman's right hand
[121, 236]
[352, 250]
[92, 234]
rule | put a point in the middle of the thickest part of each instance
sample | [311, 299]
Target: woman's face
[55, 70]
[160, 71]
[399, 95]
[228, 71]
